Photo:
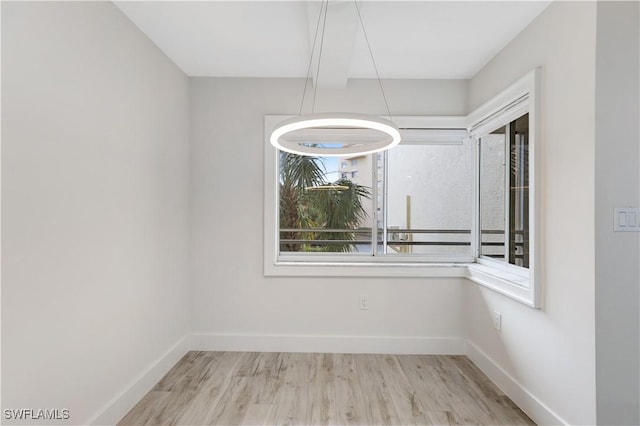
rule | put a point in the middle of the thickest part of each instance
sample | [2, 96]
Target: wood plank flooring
[250, 388]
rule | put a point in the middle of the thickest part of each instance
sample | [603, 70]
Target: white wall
[617, 184]
[94, 209]
[233, 304]
[548, 355]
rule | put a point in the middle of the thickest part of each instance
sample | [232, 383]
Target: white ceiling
[409, 39]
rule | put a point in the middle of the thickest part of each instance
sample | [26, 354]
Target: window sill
[508, 284]
[365, 269]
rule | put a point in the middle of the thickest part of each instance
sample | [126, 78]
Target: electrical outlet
[497, 320]
[364, 303]
[626, 219]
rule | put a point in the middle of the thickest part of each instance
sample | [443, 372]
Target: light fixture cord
[373, 60]
[313, 50]
[315, 86]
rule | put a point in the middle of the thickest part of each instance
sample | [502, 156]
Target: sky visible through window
[332, 166]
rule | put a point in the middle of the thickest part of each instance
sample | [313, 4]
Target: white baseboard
[529, 403]
[327, 344]
[124, 401]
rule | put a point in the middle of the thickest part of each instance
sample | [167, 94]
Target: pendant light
[328, 187]
[335, 134]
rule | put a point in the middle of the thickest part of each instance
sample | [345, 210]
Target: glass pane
[519, 192]
[429, 199]
[492, 193]
[322, 207]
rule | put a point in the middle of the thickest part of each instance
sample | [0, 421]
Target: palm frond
[301, 171]
[332, 209]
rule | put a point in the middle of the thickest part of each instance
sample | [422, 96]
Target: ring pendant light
[329, 187]
[336, 134]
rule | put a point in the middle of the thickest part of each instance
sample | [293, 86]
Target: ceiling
[409, 39]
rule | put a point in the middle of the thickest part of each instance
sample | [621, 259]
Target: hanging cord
[373, 60]
[313, 50]
[315, 86]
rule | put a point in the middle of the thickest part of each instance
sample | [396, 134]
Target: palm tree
[296, 174]
[340, 209]
[302, 208]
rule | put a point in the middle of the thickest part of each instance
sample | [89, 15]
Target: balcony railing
[396, 238]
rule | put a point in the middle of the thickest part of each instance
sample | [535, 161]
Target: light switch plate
[497, 320]
[626, 219]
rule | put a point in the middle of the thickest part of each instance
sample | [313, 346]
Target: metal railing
[395, 237]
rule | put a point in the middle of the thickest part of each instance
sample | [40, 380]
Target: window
[429, 189]
[411, 204]
[504, 193]
[508, 249]
[458, 197]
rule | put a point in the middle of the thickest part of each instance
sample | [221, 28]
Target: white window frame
[353, 264]
[521, 284]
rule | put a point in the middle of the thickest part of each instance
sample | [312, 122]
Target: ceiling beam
[342, 24]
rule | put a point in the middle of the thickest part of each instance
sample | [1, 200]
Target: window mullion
[476, 228]
[507, 192]
[374, 203]
[385, 201]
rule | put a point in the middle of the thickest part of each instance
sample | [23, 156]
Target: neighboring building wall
[492, 192]
[438, 179]
[548, 355]
[94, 208]
[359, 171]
[617, 184]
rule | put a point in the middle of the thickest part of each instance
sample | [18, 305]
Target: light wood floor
[231, 388]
